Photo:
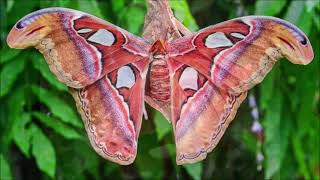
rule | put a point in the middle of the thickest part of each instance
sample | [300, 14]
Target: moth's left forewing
[79, 48]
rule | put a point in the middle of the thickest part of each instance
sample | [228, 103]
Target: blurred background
[275, 135]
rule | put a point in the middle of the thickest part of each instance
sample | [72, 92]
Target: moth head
[158, 49]
[28, 31]
[295, 46]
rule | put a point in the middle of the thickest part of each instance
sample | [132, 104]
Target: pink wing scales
[118, 47]
[237, 54]
[111, 110]
[105, 66]
[213, 70]
[200, 114]
[79, 48]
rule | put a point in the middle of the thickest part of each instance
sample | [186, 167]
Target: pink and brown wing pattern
[201, 112]
[213, 70]
[105, 68]
[79, 48]
[111, 109]
[237, 54]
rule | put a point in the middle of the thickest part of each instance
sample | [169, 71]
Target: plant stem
[160, 22]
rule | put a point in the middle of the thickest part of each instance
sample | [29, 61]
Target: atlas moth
[197, 81]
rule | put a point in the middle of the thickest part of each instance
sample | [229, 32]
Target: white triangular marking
[85, 30]
[217, 39]
[189, 79]
[238, 35]
[103, 37]
[125, 77]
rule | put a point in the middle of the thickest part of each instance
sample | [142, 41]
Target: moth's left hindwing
[105, 68]
[111, 109]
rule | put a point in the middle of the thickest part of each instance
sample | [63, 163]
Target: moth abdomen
[159, 80]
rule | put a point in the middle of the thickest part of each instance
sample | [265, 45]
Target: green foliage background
[42, 135]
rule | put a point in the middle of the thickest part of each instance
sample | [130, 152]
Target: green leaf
[9, 5]
[249, 140]
[200, 6]
[76, 159]
[300, 156]
[285, 131]
[46, 4]
[5, 172]
[57, 106]
[269, 7]
[272, 132]
[9, 73]
[194, 170]
[19, 120]
[311, 4]
[157, 152]
[63, 3]
[43, 151]
[172, 152]
[182, 12]
[305, 21]
[21, 134]
[8, 54]
[40, 64]
[162, 125]
[294, 11]
[91, 7]
[20, 9]
[267, 86]
[316, 20]
[57, 126]
[135, 19]
[118, 5]
[307, 118]
[311, 94]
[155, 165]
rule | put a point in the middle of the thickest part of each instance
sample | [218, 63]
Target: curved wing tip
[304, 56]
[309, 56]
[10, 41]
[11, 38]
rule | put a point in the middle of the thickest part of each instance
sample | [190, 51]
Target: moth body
[159, 78]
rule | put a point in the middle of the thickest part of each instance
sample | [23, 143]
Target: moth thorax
[158, 50]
